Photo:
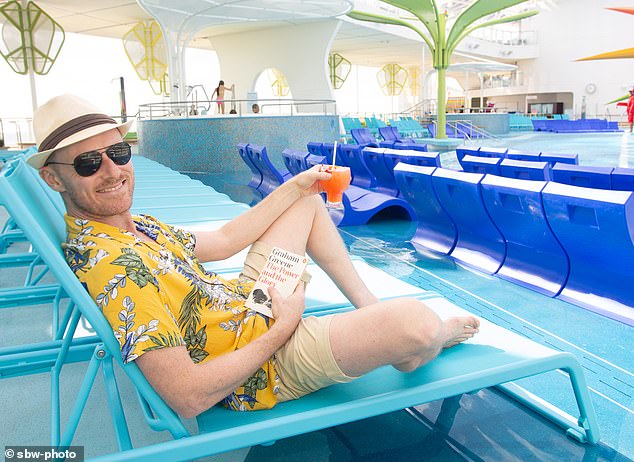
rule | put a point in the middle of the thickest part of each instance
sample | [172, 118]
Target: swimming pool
[603, 346]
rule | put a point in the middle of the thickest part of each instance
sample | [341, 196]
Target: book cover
[282, 270]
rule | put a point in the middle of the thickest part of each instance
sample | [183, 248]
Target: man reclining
[188, 329]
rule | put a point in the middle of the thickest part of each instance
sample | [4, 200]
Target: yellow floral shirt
[157, 294]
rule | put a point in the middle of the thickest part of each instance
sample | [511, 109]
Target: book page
[282, 270]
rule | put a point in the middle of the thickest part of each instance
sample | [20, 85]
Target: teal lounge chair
[495, 357]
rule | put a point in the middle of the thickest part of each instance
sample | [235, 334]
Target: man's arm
[249, 226]
[190, 388]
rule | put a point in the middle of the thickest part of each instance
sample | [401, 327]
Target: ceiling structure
[372, 45]
[113, 18]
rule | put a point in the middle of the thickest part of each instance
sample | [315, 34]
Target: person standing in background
[219, 95]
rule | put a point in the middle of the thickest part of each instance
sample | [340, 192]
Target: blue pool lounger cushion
[585, 176]
[435, 230]
[595, 227]
[534, 257]
[480, 244]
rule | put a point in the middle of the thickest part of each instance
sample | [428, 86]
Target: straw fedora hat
[65, 120]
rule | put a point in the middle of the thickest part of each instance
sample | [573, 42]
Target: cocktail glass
[336, 185]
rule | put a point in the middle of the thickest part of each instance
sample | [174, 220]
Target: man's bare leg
[307, 227]
[403, 333]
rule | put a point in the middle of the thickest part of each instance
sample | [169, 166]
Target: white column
[30, 58]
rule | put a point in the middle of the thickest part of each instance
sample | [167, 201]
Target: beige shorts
[305, 363]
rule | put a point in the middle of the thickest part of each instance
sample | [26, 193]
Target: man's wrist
[284, 328]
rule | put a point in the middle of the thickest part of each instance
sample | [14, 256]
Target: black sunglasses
[87, 163]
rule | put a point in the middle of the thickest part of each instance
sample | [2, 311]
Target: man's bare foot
[459, 329]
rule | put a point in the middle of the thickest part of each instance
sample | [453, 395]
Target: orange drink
[336, 185]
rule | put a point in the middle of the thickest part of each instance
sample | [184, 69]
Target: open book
[282, 270]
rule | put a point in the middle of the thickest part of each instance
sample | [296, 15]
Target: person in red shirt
[630, 109]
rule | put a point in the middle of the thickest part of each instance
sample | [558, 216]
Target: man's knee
[420, 326]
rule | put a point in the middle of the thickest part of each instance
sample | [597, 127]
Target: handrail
[18, 131]
[243, 106]
[472, 128]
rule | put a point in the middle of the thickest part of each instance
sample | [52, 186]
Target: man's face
[102, 196]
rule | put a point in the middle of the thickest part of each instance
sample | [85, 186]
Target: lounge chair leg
[116, 409]
[583, 428]
[587, 418]
[82, 397]
[268, 443]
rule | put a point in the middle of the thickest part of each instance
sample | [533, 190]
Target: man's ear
[50, 178]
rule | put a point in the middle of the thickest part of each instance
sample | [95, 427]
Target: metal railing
[18, 131]
[187, 109]
[467, 129]
[506, 37]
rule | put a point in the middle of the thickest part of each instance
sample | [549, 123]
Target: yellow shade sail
[618, 54]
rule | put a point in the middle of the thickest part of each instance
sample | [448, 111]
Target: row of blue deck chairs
[567, 241]
[575, 126]
[362, 201]
[561, 168]
[497, 358]
[391, 138]
[524, 122]
[408, 126]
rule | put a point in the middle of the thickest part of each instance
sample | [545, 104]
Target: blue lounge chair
[271, 176]
[552, 159]
[474, 164]
[496, 358]
[623, 179]
[435, 230]
[464, 150]
[522, 155]
[393, 139]
[492, 152]
[314, 159]
[534, 257]
[595, 228]
[350, 155]
[480, 244]
[327, 151]
[364, 138]
[295, 161]
[525, 170]
[374, 160]
[256, 175]
[585, 176]
[314, 148]
[422, 158]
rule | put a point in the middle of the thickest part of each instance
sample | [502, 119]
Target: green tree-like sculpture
[441, 43]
